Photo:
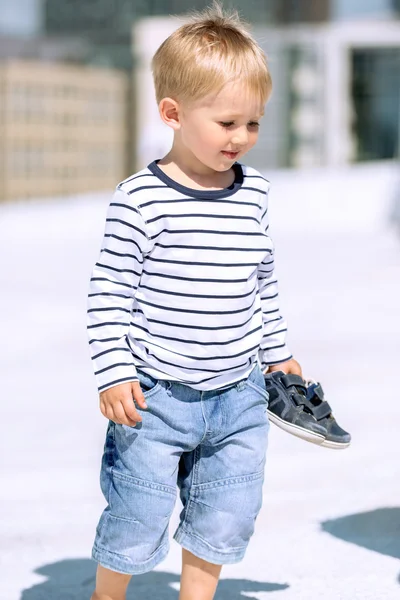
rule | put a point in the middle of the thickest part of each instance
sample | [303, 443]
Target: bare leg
[199, 578]
[110, 585]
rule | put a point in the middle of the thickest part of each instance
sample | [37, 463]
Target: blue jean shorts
[209, 444]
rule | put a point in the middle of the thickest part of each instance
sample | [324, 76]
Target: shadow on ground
[74, 580]
[377, 530]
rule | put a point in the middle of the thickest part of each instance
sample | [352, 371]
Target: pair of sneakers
[298, 407]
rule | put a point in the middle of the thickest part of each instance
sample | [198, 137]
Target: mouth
[230, 155]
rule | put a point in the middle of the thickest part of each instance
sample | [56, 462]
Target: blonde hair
[214, 48]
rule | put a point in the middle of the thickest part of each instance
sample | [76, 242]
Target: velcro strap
[320, 411]
[299, 400]
[319, 392]
[289, 380]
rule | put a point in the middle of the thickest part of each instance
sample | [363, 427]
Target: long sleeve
[273, 348]
[113, 284]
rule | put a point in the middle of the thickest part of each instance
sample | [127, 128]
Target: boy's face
[219, 129]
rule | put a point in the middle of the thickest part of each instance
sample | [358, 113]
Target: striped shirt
[184, 288]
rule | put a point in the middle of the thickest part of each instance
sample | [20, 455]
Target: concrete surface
[330, 524]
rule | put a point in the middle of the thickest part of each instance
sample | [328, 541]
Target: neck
[183, 167]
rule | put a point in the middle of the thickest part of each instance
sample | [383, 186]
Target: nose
[240, 136]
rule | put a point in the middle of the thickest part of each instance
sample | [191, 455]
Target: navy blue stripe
[126, 206]
[122, 239]
[215, 376]
[264, 213]
[231, 296]
[198, 358]
[268, 297]
[182, 326]
[122, 255]
[127, 225]
[251, 189]
[110, 350]
[96, 325]
[133, 178]
[110, 294]
[277, 362]
[116, 381]
[196, 312]
[203, 264]
[203, 200]
[197, 278]
[186, 341]
[256, 177]
[129, 364]
[274, 333]
[113, 282]
[229, 249]
[189, 368]
[204, 216]
[274, 347]
[185, 382]
[114, 339]
[273, 320]
[145, 187]
[207, 231]
[118, 270]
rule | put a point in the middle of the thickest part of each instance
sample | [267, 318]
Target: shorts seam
[194, 536]
[189, 506]
[156, 557]
[217, 510]
[239, 480]
[159, 487]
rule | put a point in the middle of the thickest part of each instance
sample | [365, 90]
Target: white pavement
[330, 524]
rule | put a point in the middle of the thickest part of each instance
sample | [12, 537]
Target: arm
[114, 281]
[274, 353]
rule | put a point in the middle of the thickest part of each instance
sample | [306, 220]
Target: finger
[123, 418]
[279, 367]
[138, 395]
[130, 411]
[110, 414]
[296, 369]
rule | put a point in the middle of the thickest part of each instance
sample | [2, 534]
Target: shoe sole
[335, 445]
[304, 434]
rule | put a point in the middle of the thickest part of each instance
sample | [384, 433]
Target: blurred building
[107, 24]
[63, 129]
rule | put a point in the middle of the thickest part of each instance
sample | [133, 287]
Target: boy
[183, 304]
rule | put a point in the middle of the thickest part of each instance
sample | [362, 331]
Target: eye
[226, 123]
[254, 124]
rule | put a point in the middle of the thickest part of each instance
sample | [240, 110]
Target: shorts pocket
[260, 390]
[148, 384]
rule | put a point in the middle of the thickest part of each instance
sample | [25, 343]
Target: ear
[170, 113]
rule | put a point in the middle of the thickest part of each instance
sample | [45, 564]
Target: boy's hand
[290, 366]
[118, 403]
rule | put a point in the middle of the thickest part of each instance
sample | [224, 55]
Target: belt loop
[240, 385]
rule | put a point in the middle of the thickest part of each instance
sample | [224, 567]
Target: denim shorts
[209, 444]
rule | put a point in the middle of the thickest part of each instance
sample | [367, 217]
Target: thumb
[138, 394]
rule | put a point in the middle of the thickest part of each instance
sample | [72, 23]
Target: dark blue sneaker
[287, 407]
[298, 407]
